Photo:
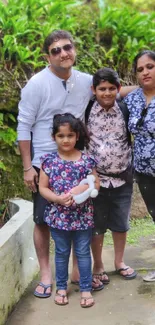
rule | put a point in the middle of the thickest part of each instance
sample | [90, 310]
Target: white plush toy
[90, 192]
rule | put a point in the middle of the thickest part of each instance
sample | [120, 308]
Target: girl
[60, 176]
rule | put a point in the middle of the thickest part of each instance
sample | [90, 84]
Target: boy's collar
[99, 107]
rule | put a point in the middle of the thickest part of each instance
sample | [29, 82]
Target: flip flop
[84, 305]
[149, 277]
[98, 275]
[44, 294]
[63, 303]
[99, 287]
[127, 276]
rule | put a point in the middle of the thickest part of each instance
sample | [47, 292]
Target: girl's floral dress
[63, 176]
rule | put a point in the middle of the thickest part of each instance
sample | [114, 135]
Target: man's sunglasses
[57, 50]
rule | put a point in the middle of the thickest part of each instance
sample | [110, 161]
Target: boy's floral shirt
[144, 136]
[108, 143]
[63, 176]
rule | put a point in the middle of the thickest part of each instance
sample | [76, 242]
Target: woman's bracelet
[27, 169]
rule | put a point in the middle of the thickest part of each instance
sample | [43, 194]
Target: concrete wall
[18, 262]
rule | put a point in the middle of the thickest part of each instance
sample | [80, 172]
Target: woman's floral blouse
[144, 135]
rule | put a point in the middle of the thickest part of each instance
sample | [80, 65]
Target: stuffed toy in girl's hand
[90, 192]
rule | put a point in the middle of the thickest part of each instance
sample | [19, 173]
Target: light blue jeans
[81, 240]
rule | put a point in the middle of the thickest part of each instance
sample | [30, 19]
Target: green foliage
[114, 36]
[139, 5]
[7, 135]
[24, 25]
[139, 228]
[125, 33]
[115, 33]
[11, 182]
[11, 178]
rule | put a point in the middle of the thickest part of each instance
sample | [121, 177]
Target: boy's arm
[97, 180]
[125, 90]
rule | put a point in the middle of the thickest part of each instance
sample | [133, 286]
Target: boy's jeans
[81, 241]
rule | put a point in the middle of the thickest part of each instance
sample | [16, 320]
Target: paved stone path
[122, 302]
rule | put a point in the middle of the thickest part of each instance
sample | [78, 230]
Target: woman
[141, 104]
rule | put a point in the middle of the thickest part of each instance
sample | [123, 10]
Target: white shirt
[42, 98]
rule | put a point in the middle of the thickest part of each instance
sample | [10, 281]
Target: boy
[110, 144]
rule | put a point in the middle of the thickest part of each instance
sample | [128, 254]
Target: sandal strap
[45, 286]
[123, 269]
[84, 301]
[99, 274]
[86, 298]
[61, 295]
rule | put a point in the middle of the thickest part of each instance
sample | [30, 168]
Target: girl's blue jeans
[81, 240]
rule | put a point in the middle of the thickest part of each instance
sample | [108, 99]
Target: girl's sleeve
[92, 163]
[46, 164]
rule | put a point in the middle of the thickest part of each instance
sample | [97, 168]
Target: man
[56, 89]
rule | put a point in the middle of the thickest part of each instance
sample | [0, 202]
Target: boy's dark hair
[149, 53]
[76, 126]
[55, 36]
[106, 74]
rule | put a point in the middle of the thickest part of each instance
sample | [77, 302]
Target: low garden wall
[18, 261]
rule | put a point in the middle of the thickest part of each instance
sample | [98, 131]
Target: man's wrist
[27, 169]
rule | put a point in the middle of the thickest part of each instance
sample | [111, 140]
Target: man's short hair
[106, 74]
[55, 36]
